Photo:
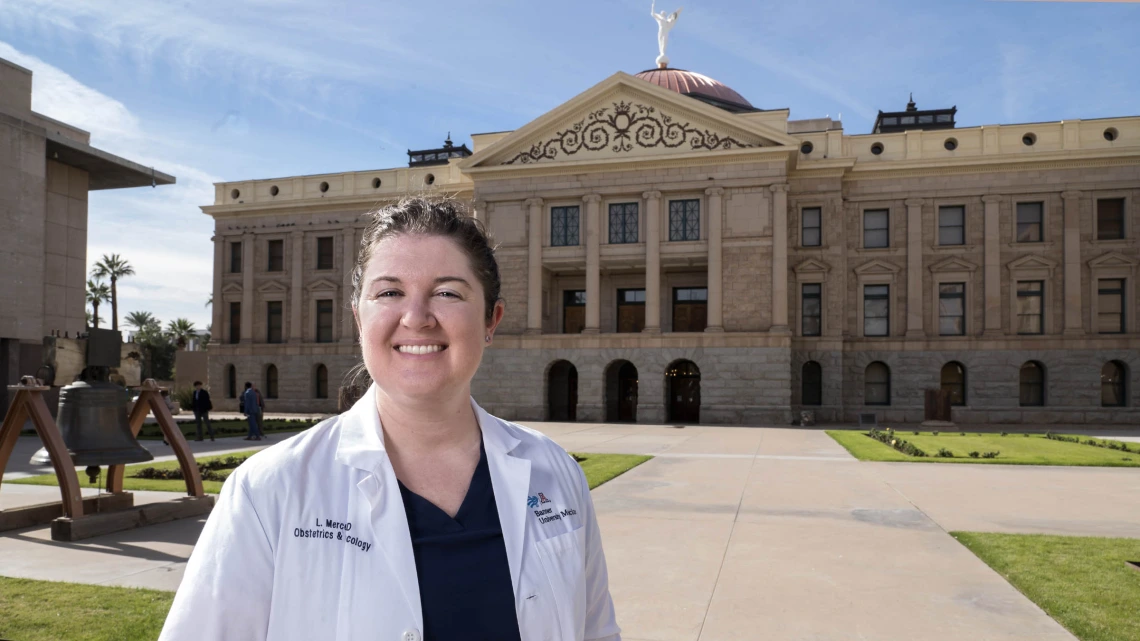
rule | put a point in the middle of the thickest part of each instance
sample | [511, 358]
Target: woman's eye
[387, 294]
[449, 294]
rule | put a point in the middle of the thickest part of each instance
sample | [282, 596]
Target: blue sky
[215, 91]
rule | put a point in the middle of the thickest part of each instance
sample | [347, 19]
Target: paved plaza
[738, 533]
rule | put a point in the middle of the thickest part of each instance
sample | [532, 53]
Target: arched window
[1032, 379]
[811, 384]
[1114, 384]
[877, 384]
[271, 381]
[231, 381]
[954, 382]
[321, 387]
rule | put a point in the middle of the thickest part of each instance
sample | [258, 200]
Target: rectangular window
[690, 309]
[1031, 307]
[952, 225]
[1110, 219]
[1030, 218]
[276, 256]
[952, 309]
[325, 252]
[812, 235]
[623, 223]
[631, 310]
[876, 310]
[324, 321]
[564, 226]
[573, 311]
[1110, 306]
[274, 320]
[876, 228]
[684, 220]
[811, 305]
[235, 258]
[235, 322]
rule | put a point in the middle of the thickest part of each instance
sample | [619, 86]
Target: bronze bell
[93, 419]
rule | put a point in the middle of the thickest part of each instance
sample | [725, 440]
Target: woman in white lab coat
[415, 515]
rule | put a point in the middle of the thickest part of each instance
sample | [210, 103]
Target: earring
[488, 338]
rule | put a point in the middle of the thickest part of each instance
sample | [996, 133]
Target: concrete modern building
[46, 170]
[671, 252]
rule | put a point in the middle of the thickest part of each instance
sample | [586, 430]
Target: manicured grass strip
[49, 611]
[1016, 449]
[132, 484]
[600, 468]
[227, 428]
[1082, 582]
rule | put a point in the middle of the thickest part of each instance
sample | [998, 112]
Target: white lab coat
[309, 540]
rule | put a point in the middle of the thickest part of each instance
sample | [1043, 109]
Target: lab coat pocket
[564, 560]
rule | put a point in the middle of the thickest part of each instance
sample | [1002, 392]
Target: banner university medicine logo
[534, 501]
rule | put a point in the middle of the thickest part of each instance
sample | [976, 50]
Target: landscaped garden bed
[974, 447]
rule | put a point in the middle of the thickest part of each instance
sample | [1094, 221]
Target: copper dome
[691, 83]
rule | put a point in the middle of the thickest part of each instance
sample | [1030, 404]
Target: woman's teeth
[418, 349]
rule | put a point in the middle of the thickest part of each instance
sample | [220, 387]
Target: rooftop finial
[665, 23]
[910, 105]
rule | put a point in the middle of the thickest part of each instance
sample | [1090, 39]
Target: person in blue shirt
[252, 411]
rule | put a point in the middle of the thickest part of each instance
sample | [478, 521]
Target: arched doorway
[621, 392]
[562, 392]
[683, 382]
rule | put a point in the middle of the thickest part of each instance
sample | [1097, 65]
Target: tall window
[1032, 380]
[952, 309]
[235, 322]
[231, 381]
[877, 384]
[684, 220]
[623, 223]
[952, 225]
[271, 381]
[325, 252]
[954, 382]
[324, 321]
[811, 309]
[876, 228]
[876, 310]
[564, 226]
[276, 256]
[1114, 384]
[1031, 307]
[1030, 222]
[321, 384]
[573, 311]
[1110, 306]
[1109, 218]
[274, 319]
[235, 258]
[812, 384]
[812, 235]
[690, 309]
[631, 310]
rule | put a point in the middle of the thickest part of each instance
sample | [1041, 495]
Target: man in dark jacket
[202, 406]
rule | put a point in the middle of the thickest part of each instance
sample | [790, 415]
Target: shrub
[935, 433]
[916, 432]
[961, 433]
[1026, 435]
[945, 453]
[974, 454]
[990, 454]
[184, 397]
[1005, 433]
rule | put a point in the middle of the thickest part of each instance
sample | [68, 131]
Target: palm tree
[140, 320]
[210, 301]
[113, 267]
[91, 319]
[97, 292]
[181, 330]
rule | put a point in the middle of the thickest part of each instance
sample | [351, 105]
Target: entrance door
[627, 393]
[562, 392]
[683, 380]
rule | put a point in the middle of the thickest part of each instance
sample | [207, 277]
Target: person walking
[252, 410]
[260, 414]
[202, 406]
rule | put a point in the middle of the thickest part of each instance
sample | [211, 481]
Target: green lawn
[600, 468]
[1016, 449]
[132, 484]
[49, 611]
[1082, 582]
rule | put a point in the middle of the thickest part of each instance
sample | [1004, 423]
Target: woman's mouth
[418, 350]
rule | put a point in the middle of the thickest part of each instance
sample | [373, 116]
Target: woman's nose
[417, 314]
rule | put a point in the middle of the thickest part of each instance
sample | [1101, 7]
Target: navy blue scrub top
[465, 580]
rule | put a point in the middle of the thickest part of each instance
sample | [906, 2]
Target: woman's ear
[496, 316]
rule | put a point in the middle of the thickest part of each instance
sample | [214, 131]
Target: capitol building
[673, 253]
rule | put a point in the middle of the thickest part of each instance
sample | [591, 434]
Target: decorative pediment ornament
[953, 264]
[812, 266]
[321, 285]
[877, 266]
[231, 288]
[622, 127]
[1031, 262]
[272, 287]
[1112, 259]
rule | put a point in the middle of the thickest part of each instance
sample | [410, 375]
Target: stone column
[716, 264]
[652, 262]
[914, 267]
[297, 293]
[534, 267]
[348, 263]
[780, 258]
[593, 264]
[992, 270]
[1073, 308]
[217, 308]
[247, 288]
[480, 211]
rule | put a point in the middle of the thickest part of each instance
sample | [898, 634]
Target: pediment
[953, 264]
[272, 287]
[1031, 262]
[812, 266]
[624, 118]
[1112, 259]
[877, 266]
[321, 285]
[231, 288]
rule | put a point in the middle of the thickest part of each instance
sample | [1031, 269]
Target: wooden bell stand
[113, 512]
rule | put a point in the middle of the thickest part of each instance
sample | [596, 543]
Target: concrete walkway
[737, 533]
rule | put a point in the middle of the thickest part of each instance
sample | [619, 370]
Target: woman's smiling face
[422, 318]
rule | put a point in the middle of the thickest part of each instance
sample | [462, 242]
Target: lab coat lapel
[510, 478]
